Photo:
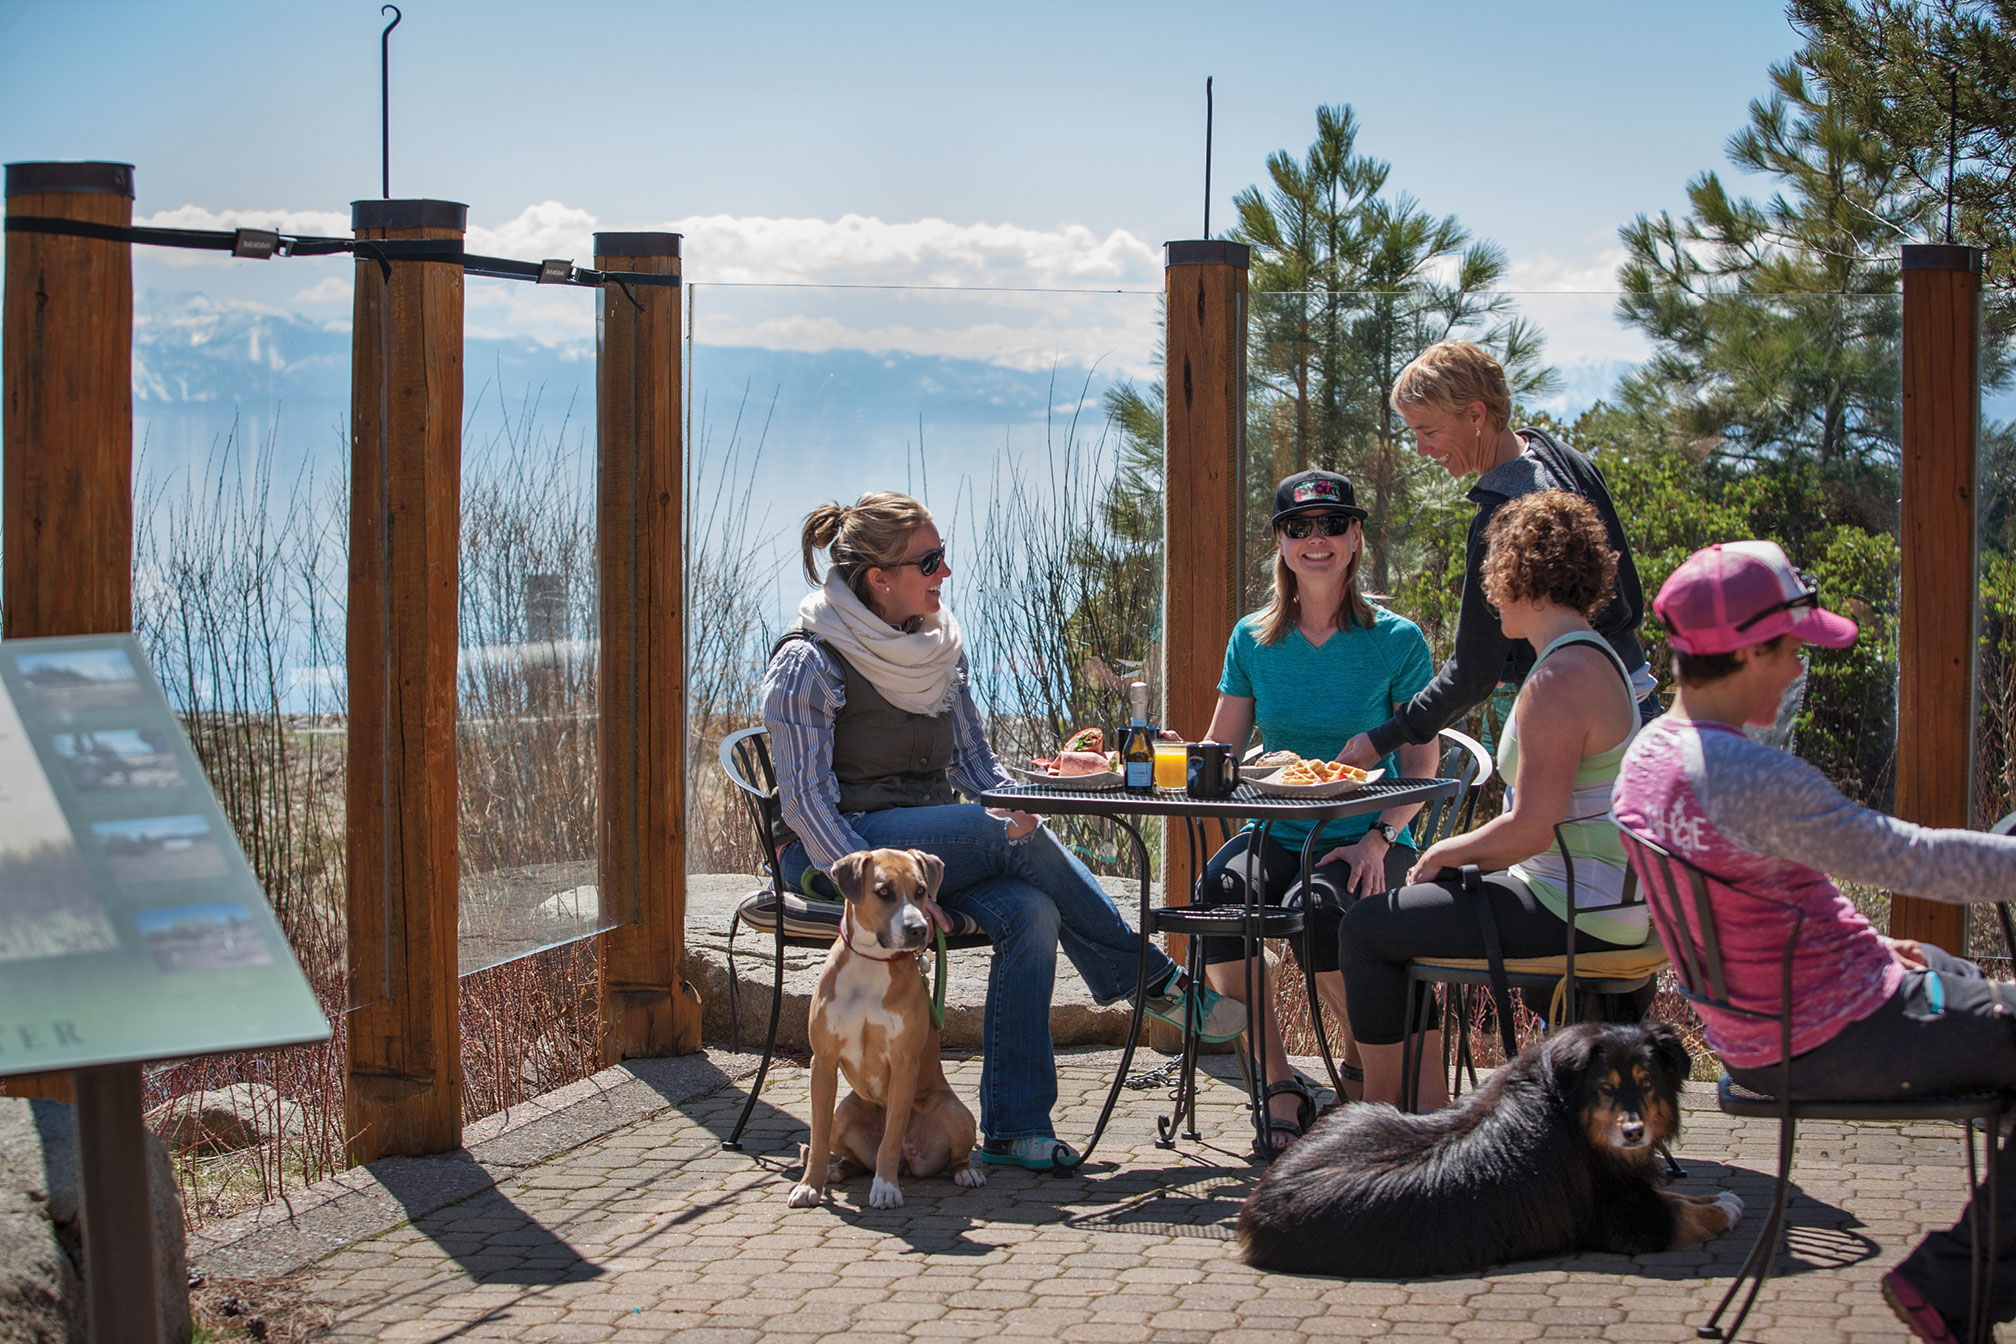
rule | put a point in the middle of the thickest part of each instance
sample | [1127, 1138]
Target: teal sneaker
[1037, 1152]
[1218, 1018]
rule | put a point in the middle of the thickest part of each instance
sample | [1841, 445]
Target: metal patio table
[1250, 922]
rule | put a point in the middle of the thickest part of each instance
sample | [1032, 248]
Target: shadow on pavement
[488, 1236]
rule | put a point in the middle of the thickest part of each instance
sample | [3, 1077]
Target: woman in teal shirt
[1316, 666]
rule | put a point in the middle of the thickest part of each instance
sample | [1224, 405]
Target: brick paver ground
[654, 1233]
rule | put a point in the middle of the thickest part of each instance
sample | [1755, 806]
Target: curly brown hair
[1550, 545]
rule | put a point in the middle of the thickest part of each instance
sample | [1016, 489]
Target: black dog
[1554, 1154]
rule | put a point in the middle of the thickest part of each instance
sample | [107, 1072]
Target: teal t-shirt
[1312, 701]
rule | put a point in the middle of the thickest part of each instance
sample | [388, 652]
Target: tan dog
[871, 1020]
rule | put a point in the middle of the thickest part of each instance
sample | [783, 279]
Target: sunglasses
[1809, 598]
[927, 563]
[1333, 525]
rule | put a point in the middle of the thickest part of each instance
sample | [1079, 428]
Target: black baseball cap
[1315, 492]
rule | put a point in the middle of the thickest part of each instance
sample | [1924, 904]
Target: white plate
[1336, 788]
[1109, 779]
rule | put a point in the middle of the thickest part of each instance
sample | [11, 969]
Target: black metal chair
[1681, 899]
[1465, 761]
[1557, 980]
[792, 918]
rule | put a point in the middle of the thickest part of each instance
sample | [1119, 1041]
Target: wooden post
[404, 1089]
[66, 486]
[647, 1006]
[121, 1279]
[1936, 600]
[1203, 473]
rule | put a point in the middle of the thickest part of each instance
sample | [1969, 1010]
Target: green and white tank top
[1593, 843]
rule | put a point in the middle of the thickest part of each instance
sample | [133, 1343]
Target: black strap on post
[263, 244]
[1494, 956]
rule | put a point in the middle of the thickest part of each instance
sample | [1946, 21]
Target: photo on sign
[46, 905]
[215, 936]
[80, 680]
[118, 758]
[159, 849]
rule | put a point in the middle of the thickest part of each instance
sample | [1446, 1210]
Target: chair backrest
[745, 759]
[1465, 761]
[1682, 898]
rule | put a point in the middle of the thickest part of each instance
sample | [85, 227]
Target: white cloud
[329, 289]
[1574, 301]
[927, 286]
[1594, 272]
[980, 291]
[320, 223]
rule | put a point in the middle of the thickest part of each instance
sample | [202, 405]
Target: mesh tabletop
[1244, 801]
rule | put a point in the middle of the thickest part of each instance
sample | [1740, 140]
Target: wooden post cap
[1207, 252]
[98, 179]
[637, 244]
[420, 214]
[1942, 257]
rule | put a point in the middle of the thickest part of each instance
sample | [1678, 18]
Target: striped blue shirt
[802, 692]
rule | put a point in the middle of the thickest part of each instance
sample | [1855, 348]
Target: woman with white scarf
[873, 726]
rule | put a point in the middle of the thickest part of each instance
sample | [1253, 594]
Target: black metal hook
[385, 96]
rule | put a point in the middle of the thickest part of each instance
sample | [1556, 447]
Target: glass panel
[1028, 421]
[1995, 668]
[1768, 416]
[526, 674]
[1995, 676]
[239, 592]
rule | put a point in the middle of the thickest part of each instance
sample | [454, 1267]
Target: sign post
[131, 929]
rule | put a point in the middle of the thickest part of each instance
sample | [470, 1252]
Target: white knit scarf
[914, 672]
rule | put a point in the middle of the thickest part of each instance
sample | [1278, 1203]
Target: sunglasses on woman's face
[1809, 598]
[1333, 525]
[927, 563]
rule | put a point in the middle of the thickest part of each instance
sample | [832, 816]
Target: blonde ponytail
[872, 532]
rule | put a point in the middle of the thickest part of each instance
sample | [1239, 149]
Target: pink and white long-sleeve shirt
[1767, 821]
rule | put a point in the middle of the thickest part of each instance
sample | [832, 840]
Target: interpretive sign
[131, 927]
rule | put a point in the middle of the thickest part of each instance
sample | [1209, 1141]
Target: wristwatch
[1389, 830]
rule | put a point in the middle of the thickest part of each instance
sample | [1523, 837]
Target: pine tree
[1775, 324]
[1940, 79]
[1352, 283]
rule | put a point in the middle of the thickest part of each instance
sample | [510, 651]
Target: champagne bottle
[1137, 744]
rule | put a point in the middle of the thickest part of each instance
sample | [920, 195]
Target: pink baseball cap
[1738, 593]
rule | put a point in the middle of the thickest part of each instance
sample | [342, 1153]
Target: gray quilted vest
[883, 756]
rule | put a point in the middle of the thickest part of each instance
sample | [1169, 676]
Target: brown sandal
[1266, 1149]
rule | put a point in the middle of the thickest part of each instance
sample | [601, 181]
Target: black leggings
[1224, 883]
[1382, 933]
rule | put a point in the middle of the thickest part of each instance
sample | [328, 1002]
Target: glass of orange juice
[1171, 764]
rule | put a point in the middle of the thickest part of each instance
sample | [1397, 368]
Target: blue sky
[1041, 146]
[1543, 126]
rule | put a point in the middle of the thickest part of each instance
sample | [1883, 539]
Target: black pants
[1381, 934]
[1906, 1048]
[1224, 883]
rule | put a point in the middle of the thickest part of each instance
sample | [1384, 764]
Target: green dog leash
[938, 989]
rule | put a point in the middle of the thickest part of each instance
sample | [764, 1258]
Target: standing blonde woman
[1457, 404]
[875, 734]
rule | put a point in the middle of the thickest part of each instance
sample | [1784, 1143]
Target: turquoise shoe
[1036, 1152]
[1218, 1018]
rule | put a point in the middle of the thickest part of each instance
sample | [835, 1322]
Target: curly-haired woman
[1548, 568]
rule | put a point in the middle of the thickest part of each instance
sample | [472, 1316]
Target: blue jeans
[1030, 896]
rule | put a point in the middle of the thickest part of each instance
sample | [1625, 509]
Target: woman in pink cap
[1871, 1016]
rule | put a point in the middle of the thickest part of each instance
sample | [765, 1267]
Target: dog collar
[845, 920]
